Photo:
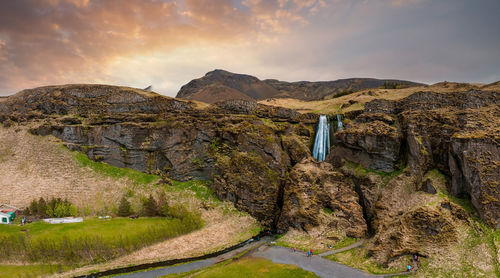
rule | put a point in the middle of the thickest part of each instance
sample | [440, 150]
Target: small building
[9, 211]
[6, 218]
[7, 208]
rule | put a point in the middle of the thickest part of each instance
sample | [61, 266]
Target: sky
[167, 43]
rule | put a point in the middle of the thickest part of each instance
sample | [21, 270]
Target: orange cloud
[55, 40]
[125, 42]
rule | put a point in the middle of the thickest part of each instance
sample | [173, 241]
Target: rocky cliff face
[259, 156]
[317, 195]
[246, 148]
[456, 133]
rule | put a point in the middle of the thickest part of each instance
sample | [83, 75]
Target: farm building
[7, 213]
[7, 218]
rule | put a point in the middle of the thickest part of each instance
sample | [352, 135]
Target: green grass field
[247, 267]
[24, 271]
[91, 241]
[90, 227]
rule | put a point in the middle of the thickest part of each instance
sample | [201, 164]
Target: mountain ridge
[237, 84]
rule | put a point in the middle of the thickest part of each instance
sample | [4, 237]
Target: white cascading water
[339, 123]
[322, 141]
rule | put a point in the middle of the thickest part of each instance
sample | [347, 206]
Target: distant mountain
[215, 92]
[223, 85]
[247, 85]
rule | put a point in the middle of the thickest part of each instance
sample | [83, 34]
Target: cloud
[58, 41]
[55, 40]
[402, 3]
[166, 43]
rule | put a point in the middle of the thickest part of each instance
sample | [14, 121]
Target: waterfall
[322, 141]
[339, 123]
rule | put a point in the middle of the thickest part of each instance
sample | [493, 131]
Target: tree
[33, 208]
[162, 204]
[124, 208]
[42, 208]
[150, 207]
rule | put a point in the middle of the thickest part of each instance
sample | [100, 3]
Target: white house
[4, 218]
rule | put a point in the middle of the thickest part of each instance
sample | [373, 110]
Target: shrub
[177, 211]
[343, 93]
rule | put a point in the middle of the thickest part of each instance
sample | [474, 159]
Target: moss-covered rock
[316, 195]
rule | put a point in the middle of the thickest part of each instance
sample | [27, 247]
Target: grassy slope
[36, 166]
[248, 267]
[104, 169]
[358, 258]
[360, 98]
[314, 239]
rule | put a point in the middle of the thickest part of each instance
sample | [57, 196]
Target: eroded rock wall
[457, 133]
[317, 195]
[246, 148]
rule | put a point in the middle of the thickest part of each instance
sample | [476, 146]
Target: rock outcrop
[425, 230]
[408, 222]
[375, 145]
[245, 147]
[317, 195]
[475, 170]
[457, 133]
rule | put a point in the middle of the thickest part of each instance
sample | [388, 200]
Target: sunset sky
[167, 43]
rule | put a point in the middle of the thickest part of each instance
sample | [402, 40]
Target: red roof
[7, 210]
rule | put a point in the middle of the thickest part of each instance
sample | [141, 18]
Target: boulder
[427, 186]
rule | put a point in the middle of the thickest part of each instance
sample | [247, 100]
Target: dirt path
[349, 247]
